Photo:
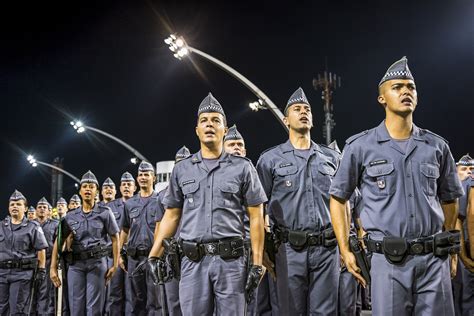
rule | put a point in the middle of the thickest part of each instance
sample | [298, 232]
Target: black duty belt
[299, 239]
[24, 264]
[92, 253]
[227, 248]
[135, 253]
[420, 246]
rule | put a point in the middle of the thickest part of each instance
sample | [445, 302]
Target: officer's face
[42, 211]
[127, 188]
[211, 128]
[398, 96]
[72, 205]
[17, 209]
[299, 117]
[464, 172]
[88, 192]
[31, 215]
[145, 179]
[108, 192]
[235, 147]
[62, 209]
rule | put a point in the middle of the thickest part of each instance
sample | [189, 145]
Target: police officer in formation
[90, 225]
[464, 300]
[46, 292]
[296, 176]
[22, 258]
[138, 227]
[407, 177]
[207, 192]
[74, 202]
[118, 300]
[31, 214]
[61, 206]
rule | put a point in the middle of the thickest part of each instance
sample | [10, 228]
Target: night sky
[105, 62]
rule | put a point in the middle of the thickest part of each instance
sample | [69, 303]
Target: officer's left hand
[253, 279]
[454, 265]
[40, 275]
[110, 273]
[269, 265]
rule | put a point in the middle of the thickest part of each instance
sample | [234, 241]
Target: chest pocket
[286, 179]
[97, 228]
[76, 228]
[21, 243]
[429, 177]
[2, 235]
[324, 175]
[228, 194]
[134, 215]
[381, 179]
[117, 215]
[190, 193]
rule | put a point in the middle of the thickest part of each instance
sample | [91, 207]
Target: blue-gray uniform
[348, 287]
[88, 261]
[467, 277]
[401, 191]
[211, 201]
[46, 292]
[172, 286]
[139, 218]
[18, 258]
[297, 185]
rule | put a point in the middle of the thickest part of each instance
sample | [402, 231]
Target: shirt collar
[287, 147]
[383, 135]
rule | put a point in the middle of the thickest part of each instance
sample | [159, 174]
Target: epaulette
[101, 208]
[332, 150]
[176, 162]
[241, 157]
[434, 134]
[34, 222]
[356, 136]
[263, 152]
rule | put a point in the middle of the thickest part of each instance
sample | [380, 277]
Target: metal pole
[60, 170]
[259, 93]
[118, 140]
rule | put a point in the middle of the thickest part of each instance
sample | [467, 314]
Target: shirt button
[412, 215]
[410, 195]
[208, 186]
[408, 176]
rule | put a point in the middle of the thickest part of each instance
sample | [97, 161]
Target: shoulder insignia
[356, 136]
[434, 134]
[268, 149]
[183, 159]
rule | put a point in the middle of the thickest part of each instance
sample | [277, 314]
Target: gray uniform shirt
[212, 200]
[49, 227]
[21, 241]
[297, 185]
[401, 193]
[91, 229]
[467, 184]
[140, 218]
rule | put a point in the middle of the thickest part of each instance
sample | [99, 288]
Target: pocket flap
[429, 170]
[286, 170]
[190, 188]
[380, 170]
[97, 224]
[229, 188]
[326, 169]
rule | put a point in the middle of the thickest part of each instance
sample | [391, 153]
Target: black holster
[297, 239]
[192, 250]
[361, 257]
[395, 249]
[173, 256]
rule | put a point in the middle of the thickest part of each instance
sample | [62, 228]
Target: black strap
[420, 246]
[25, 264]
[96, 253]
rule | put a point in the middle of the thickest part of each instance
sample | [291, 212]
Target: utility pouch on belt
[329, 238]
[231, 249]
[191, 250]
[446, 243]
[297, 239]
[395, 249]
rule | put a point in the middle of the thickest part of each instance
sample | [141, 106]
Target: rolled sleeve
[174, 196]
[111, 223]
[160, 209]
[39, 240]
[347, 175]
[449, 185]
[254, 193]
[264, 171]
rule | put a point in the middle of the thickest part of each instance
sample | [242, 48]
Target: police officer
[31, 213]
[296, 176]
[206, 192]
[119, 300]
[46, 292]
[88, 273]
[108, 191]
[409, 187]
[74, 202]
[138, 226]
[464, 297]
[172, 286]
[22, 249]
[61, 206]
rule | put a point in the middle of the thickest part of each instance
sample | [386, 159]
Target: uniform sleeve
[348, 173]
[65, 229]
[449, 185]
[174, 196]
[265, 174]
[253, 192]
[160, 211]
[466, 184]
[110, 222]
[39, 240]
[126, 217]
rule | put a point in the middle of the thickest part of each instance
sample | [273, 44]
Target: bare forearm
[257, 233]
[115, 248]
[123, 237]
[470, 218]
[340, 222]
[168, 226]
[42, 259]
[450, 210]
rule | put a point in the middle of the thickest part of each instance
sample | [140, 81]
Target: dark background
[105, 63]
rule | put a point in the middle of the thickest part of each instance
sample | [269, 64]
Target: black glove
[40, 276]
[253, 279]
[158, 270]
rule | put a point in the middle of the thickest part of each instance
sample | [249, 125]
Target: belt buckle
[417, 247]
[211, 248]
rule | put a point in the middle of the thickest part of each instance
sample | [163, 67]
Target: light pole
[34, 163]
[81, 128]
[181, 49]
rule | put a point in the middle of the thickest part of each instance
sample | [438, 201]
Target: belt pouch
[329, 238]
[231, 249]
[192, 251]
[395, 249]
[297, 239]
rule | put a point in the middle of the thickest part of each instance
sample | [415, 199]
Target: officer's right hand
[122, 264]
[53, 274]
[154, 268]
[351, 265]
[269, 265]
[468, 262]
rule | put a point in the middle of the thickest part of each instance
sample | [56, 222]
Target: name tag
[188, 182]
[377, 162]
[283, 165]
